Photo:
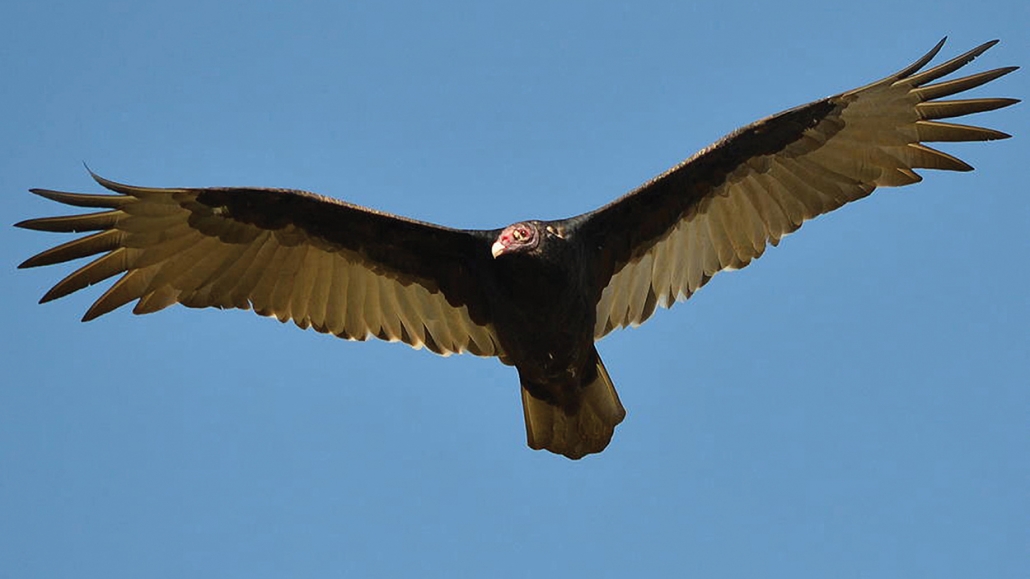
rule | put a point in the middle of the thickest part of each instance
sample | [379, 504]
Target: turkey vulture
[535, 294]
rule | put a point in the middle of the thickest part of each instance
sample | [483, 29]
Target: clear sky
[853, 404]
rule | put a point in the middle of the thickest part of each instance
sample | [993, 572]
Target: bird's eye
[519, 234]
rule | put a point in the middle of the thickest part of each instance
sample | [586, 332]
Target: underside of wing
[721, 208]
[335, 267]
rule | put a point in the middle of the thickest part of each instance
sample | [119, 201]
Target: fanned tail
[586, 430]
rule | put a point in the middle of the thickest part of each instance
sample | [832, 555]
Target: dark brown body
[544, 312]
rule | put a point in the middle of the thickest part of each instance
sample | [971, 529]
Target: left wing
[333, 266]
[719, 209]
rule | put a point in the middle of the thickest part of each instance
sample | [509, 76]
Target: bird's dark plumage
[535, 294]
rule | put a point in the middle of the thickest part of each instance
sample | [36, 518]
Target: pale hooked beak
[497, 248]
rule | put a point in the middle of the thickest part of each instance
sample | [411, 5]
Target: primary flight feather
[535, 294]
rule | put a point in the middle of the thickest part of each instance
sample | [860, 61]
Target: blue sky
[853, 404]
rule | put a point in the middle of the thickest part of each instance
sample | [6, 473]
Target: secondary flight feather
[535, 294]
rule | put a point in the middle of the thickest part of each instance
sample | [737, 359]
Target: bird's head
[525, 237]
[518, 237]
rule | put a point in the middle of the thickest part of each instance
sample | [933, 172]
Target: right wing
[336, 267]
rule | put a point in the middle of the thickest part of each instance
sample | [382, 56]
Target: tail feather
[586, 431]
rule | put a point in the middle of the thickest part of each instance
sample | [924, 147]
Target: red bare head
[517, 237]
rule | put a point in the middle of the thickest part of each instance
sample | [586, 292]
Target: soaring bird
[535, 294]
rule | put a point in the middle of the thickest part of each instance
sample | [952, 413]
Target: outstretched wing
[336, 267]
[719, 209]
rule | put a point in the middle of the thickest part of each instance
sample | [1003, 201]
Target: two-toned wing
[335, 267]
[721, 208]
